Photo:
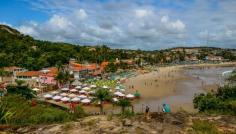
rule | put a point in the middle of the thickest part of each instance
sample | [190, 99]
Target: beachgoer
[165, 108]
[147, 112]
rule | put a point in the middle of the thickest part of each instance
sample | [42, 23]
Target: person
[165, 108]
[147, 112]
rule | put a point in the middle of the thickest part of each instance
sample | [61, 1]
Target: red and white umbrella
[86, 101]
[73, 90]
[57, 98]
[65, 99]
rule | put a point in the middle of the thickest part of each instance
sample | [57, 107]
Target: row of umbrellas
[80, 98]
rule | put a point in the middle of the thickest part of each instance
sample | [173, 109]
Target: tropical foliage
[222, 101]
[102, 95]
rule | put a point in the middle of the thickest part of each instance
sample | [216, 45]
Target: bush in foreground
[16, 110]
[222, 101]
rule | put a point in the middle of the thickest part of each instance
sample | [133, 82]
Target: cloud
[135, 24]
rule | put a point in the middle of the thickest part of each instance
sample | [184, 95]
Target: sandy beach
[176, 85]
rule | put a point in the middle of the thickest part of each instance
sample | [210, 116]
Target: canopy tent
[82, 92]
[82, 96]
[73, 90]
[65, 99]
[55, 92]
[72, 95]
[86, 101]
[48, 96]
[78, 87]
[76, 99]
[86, 88]
[57, 97]
[76, 83]
[115, 100]
[130, 96]
[64, 94]
[65, 89]
[105, 87]
[93, 86]
[36, 89]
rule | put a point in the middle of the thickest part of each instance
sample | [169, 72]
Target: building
[30, 77]
[48, 76]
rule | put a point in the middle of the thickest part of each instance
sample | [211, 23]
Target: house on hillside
[30, 77]
[11, 77]
[48, 76]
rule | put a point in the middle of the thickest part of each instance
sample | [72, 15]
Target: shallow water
[199, 79]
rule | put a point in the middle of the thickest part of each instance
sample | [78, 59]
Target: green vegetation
[204, 127]
[24, 91]
[123, 103]
[111, 68]
[101, 96]
[13, 113]
[63, 77]
[222, 101]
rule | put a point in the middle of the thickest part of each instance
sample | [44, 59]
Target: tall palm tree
[123, 103]
[102, 95]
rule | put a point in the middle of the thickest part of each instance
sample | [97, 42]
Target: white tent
[86, 88]
[64, 94]
[82, 96]
[36, 89]
[57, 97]
[76, 99]
[117, 88]
[130, 96]
[65, 99]
[86, 101]
[48, 96]
[117, 93]
[115, 99]
[55, 92]
[78, 87]
[65, 89]
[93, 86]
[105, 87]
[82, 92]
[73, 90]
[72, 95]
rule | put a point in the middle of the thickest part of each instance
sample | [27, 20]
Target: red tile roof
[29, 73]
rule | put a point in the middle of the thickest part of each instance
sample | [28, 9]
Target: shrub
[204, 127]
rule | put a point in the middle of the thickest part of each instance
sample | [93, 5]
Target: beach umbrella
[78, 87]
[82, 96]
[91, 92]
[86, 101]
[86, 88]
[48, 96]
[105, 87]
[121, 95]
[130, 96]
[76, 99]
[84, 85]
[71, 95]
[93, 86]
[117, 93]
[55, 92]
[65, 99]
[36, 89]
[76, 83]
[57, 97]
[73, 90]
[117, 88]
[82, 92]
[115, 99]
[122, 90]
[64, 94]
[65, 89]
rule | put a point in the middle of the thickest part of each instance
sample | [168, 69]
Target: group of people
[165, 109]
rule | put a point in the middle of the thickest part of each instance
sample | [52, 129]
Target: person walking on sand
[147, 109]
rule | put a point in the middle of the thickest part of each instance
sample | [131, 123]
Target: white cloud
[133, 25]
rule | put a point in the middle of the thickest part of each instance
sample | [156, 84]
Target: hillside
[21, 50]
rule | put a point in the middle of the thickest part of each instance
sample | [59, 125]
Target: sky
[129, 24]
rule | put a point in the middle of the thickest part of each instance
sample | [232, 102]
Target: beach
[176, 85]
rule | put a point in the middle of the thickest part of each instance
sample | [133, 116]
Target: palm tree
[123, 103]
[63, 77]
[102, 95]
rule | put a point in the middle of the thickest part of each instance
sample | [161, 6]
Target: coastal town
[117, 67]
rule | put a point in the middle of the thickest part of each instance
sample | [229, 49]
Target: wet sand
[175, 85]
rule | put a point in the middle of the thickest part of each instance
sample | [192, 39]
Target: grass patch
[204, 127]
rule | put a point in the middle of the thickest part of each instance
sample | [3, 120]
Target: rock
[127, 122]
